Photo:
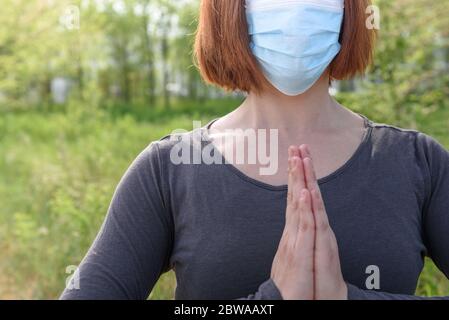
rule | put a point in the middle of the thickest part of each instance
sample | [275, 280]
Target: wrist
[343, 292]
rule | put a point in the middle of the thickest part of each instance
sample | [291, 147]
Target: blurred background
[86, 85]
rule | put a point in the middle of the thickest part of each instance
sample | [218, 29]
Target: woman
[350, 211]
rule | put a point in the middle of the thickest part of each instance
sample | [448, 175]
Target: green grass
[58, 170]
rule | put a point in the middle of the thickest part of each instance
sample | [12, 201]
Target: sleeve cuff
[354, 293]
[269, 291]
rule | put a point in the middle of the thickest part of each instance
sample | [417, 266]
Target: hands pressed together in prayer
[307, 264]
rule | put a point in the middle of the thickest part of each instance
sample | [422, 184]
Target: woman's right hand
[292, 269]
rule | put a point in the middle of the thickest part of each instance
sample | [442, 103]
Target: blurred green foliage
[132, 81]
[410, 74]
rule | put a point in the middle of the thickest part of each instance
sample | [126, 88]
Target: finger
[296, 180]
[306, 235]
[290, 206]
[305, 241]
[326, 248]
[310, 174]
[304, 151]
[299, 181]
[292, 213]
[290, 180]
[294, 151]
[320, 215]
[309, 169]
[318, 207]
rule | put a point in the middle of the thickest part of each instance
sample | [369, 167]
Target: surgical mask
[294, 40]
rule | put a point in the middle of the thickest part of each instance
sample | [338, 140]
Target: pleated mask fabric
[294, 40]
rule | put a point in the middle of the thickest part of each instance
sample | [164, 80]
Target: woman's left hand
[328, 279]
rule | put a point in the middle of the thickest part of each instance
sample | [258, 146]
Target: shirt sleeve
[267, 291]
[435, 221]
[133, 246]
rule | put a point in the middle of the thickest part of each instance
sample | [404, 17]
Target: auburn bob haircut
[224, 57]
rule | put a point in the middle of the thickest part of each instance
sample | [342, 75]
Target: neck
[312, 111]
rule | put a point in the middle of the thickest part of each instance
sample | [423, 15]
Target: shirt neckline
[368, 124]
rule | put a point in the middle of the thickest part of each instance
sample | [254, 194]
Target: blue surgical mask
[294, 40]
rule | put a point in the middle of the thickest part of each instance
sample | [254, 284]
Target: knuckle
[331, 255]
[291, 256]
[334, 245]
[295, 203]
[283, 248]
[285, 237]
[304, 226]
[322, 225]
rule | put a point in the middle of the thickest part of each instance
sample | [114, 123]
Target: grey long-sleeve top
[219, 229]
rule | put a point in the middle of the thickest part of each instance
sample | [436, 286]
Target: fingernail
[294, 162]
[290, 151]
[308, 152]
